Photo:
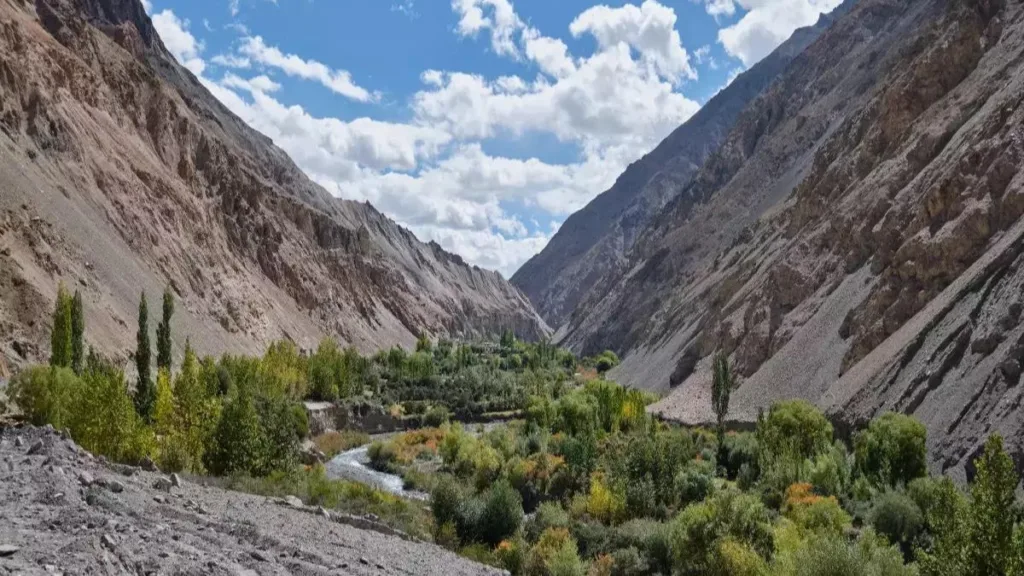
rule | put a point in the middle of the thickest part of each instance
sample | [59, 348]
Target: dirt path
[63, 511]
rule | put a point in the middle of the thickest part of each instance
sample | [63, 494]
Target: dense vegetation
[582, 482]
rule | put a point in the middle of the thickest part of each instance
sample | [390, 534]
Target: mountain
[120, 173]
[857, 239]
[593, 243]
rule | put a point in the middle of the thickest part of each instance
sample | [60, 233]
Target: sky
[479, 124]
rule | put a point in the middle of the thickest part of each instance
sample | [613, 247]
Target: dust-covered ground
[63, 511]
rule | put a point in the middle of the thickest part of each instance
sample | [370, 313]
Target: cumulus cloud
[432, 172]
[179, 41]
[649, 29]
[765, 24]
[338, 81]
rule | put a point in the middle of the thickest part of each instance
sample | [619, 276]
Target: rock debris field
[63, 511]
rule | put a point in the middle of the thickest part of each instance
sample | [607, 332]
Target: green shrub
[46, 395]
[793, 429]
[695, 482]
[739, 449]
[896, 516]
[335, 442]
[548, 515]
[502, 514]
[436, 417]
[832, 555]
[700, 528]
[628, 562]
[892, 450]
[445, 501]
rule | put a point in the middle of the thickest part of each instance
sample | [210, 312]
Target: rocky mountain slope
[65, 512]
[857, 240]
[120, 172]
[593, 243]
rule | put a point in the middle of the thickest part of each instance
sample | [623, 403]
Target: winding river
[354, 465]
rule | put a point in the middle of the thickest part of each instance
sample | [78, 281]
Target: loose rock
[163, 484]
[85, 479]
[8, 550]
[175, 480]
[36, 448]
[115, 486]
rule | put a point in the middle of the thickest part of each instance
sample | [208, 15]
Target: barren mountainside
[593, 243]
[857, 239]
[120, 172]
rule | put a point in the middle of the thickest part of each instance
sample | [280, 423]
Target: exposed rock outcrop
[856, 240]
[120, 172]
[593, 243]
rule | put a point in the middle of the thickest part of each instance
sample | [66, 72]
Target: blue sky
[481, 124]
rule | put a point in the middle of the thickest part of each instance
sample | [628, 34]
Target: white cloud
[498, 16]
[261, 83]
[233, 7]
[719, 8]
[432, 173]
[649, 29]
[766, 24]
[179, 41]
[338, 81]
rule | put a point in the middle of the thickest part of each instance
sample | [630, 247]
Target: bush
[334, 443]
[813, 513]
[796, 429]
[896, 516]
[892, 450]
[548, 515]
[653, 540]
[436, 417]
[628, 562]
[739, 450]
[555, 554]
[699, 530]
[445, 502]
[46, 395]
[695, 482]
[832, 555]
[502, 514]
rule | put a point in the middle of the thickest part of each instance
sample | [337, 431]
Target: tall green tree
[77, 333]
[145, 393]
[60, 338]
[722, 384]
[163, 333]
[992, 504]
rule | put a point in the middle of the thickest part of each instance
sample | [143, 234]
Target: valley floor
[64, 511]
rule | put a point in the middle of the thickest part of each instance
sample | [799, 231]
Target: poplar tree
[721, 386]
[145, 394]
[163, 333]
[60, 338]
[77, 333]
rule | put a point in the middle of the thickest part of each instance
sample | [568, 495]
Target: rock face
[120, 172]
[593, 243]
[857, 239]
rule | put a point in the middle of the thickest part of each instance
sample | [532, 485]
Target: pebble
[364, 561]
[257, 555]
[108, 541]
[162, 484]
[159, 499]
[36, 448]
[8, 550]
[115, 486]
[85, 479]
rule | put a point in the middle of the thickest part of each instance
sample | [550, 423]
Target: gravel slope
[120, 523]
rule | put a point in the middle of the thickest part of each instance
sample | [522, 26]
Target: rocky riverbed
[63, 511]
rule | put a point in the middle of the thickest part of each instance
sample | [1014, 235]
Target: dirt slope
[594, 242]
[856, 240]
[119, 173]
[68, 513]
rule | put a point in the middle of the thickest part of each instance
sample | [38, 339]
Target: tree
[423, 343]
[77, 333]
[163, 332]
[145, 394]
[992, 503]
[722, 384]
[237, 444]
[60, 338]
[892, 450]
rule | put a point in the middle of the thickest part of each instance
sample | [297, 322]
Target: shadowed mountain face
[120, 173]
[593, 243]
[856, 240]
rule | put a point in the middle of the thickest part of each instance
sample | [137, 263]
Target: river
[354, 465]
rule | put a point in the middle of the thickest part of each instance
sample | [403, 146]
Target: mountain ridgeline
[853, 236]
[121, 173]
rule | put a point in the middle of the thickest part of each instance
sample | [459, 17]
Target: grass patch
[333, 443]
